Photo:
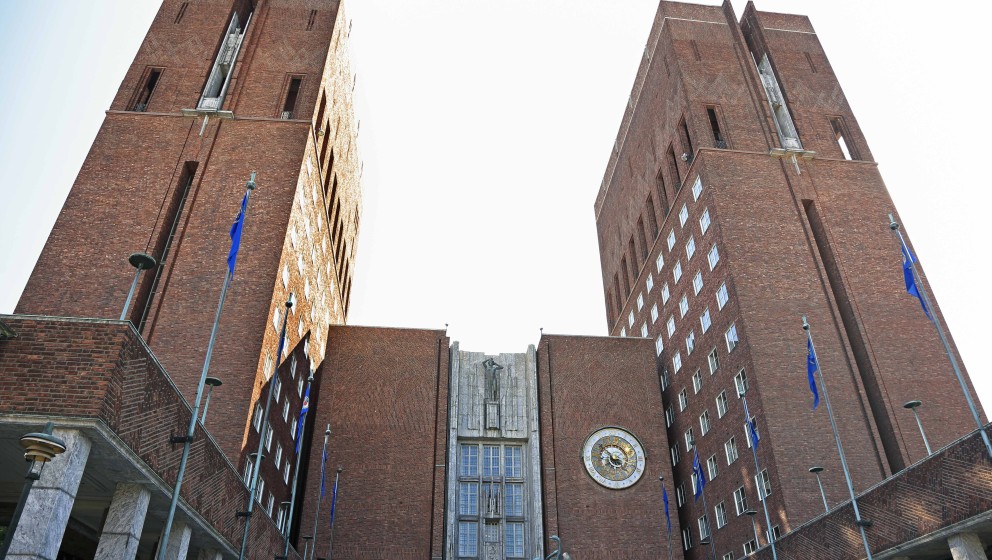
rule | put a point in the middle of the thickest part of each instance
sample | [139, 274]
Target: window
[690, 343]
[763, 484]
[261, 490]
[676, 456]
[714, 361]
[468, 538]
[690, 439]
[285, 269]
[690, 248]
[660, 261]
[740, 383]
[257, 420]
[469, 463]
[704, 423]
[292, 93]
[728, 556]
[292, 430]
[658, 345]
[514, 500]
[272, 502]
[750, 547]
[640, 301]
[217, 82]
[623, 332]
[697, 283]
[677, 362]
[711, 467]
[705, 321]
[776, 534]
[837, 124]
[731, 337]
[730, 449]
[512, 465]
[670, 325]
[721, 404]
[490, 461]
[285, 410]
[468, 498]
[654, 313]
[514, 544]
[649, 283]
[713, 257]
[683, 400]
[630, 319]
[299, 387]
[665, 381]
[721, 296]
[677, 271]
[268, 436]
[278, 388]
[697, 188]
[669, 417]
[145, 93]
[665, 294]
[275, 319]
[697, 382]
[740, 501]
[680, 495]
[704, 528]
[644, 330]
[704, 222]
[278, 453]
[721, 515]
[683, 215]
[683, 306]
[718, 139]
[671, 240]
[686, 535]
[788, 136]
[249, 469]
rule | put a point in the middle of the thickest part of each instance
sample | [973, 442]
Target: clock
[613, 458]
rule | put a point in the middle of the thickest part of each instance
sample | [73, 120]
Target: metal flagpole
[894, 226]
[334, 498]
[187, 440]
[316, 515]
[757, 473]
[668, 518]
[840, 450]
[262, 432]
[700, 481]
[296, 475]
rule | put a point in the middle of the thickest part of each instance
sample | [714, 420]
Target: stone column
[46, 512]
[966, 546]
[122, 530]
[178, 540]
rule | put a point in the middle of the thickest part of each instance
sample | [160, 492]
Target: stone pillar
[178, 540]
[122, 530]
[966, 546]
[46, 513]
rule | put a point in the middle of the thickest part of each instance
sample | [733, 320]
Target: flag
[334, 499]
[668, 517]
[303, 414]
[700, 481]
[323, 470]
[907, 270]
[751, 428]
[811, 367]
[236, 227]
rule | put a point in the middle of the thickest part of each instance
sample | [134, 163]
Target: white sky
[486, 128]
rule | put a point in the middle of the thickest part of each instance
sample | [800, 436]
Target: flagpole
[316, 515]
[757, 473]
[701, 483]
[668, 518]
[262, 432]
[187, 440]
[334, 498]
[840, 450]
[296, 474]
[894, 226]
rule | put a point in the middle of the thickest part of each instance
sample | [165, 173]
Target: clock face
[613, 458]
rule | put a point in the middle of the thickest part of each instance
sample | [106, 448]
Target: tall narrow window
[220, 75]
[662, 194]
[635, 260]
[289, 105]
[687, 151]
[786, 128]
[718, 140]
[839, 135]
[652, 218]
[145, 93]
[642, 237]
[673, 170]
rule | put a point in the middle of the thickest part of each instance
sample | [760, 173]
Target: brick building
[740, 196]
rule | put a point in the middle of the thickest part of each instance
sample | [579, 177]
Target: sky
[486, 127]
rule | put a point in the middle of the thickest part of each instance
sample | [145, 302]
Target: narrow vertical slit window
[837, 125]
[634, 259]
[215, 88]
[145, 93]
[718, 140]
[181, 13]
[673, 170]
[687, 152]
[652, 218]
[626, 278]
[642, 237]
[786, 128]
[292, 93]
[809, 60]
[662, 193]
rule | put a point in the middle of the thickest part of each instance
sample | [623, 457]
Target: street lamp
[754, 527]
[816, 471]
[912, 405]
[210, 382]
[39, 448]
[140, 261]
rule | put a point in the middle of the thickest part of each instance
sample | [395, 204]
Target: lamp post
[816, 472]
[754, 527]
[140, 261]
[39, 448]
[913, 405]
[210, 382]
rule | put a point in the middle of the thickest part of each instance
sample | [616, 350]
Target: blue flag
[811, 367]
[700, 481]
[907, 270]
[323, 471]
[334, 499]
[668, 517]
[239, 222]
[303, 414]
[751, 428]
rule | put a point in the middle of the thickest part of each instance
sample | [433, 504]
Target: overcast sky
[486, 128]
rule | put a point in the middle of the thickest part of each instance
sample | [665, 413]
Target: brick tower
[218, 89]
[740, 196]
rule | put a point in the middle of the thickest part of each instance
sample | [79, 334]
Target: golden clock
[613, 457]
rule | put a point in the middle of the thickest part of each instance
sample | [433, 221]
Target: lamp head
[816, 470]
[912, 404]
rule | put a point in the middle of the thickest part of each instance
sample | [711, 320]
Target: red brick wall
[585, 384]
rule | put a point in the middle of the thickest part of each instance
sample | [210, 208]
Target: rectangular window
[714, 361]
[750, 547]
[763, 484]
[276, 316]
[713, 257]
[145, 93]
[728, 556]
[512, 463]
[697, 188]
[690, 438]
[257, 420]
[683, 215]
[640, 301]
[697, 382]
[690, 248]
[652, 217]
[669, 417]
[837, 124]
[285, 410]
[704, 222]
[731, 336]
[292, 93]
[705, 321]
[683, 306]
[718, 140]
[665, 294]
[704, 528]
[740, 383]
[644, 330]
[468, 498]
[654, 313]
[721, 296]
[670, 325]
[721, 404]
[660, 261]
[278, 454]
[673, 170]
[665, 380]
[711, 467]
[680, 495]
[687, 152]
[514, 540]
[630, 319]
[697, 283]
[490, 461]
[704, 423]
[677, 272]
[677, 362]
[514, 500]
[740, 501]
[686, 539]
[671, 240]
[658, 345]
[649, 283]
[268, 436]
[676, 455]
[730, 449]
[683, 400]
[469, 462]
[468, 538]
[623, 332]
[690, 343]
